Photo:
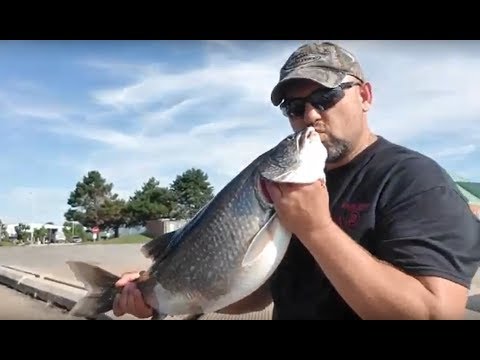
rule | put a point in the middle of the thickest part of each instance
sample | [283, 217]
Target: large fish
[226, 251]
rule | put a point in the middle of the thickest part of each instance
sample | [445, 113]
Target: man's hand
[302, 209]
[130, 300]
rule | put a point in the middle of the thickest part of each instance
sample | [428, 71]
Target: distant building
[162, 226]
[124, 230]
[55, 232]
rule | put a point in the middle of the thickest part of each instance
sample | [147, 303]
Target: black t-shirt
[403, 208]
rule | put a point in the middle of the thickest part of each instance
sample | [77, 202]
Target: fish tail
[101, 289]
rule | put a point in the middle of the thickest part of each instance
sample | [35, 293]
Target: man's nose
[311, 115]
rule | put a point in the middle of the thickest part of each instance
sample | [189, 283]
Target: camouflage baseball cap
[325, 63]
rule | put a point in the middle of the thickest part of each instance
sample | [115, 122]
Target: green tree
[88, 198]
[192, 191]
[22, 232]
[40, 234]
[113, 214]
[151, 202]
[71, 229]
[3, 232]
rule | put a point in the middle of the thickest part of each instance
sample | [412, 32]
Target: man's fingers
[117, 309]
[137, 300]
[130, 300]
[123, 301]
[126, 278]
[140, 306]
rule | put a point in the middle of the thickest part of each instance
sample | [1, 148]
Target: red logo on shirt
[351, 214]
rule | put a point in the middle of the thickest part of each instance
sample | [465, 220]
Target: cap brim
[323, 77]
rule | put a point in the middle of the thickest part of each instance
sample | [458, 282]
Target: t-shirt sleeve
[431, 232]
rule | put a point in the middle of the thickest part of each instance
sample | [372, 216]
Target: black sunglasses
[320, 99]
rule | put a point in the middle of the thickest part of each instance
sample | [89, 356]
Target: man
[391, 239]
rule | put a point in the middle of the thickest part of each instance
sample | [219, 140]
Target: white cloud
[252, 79]
[460, 151]
[116, 68]
[106, 136]
[419, 92]
[217, 117]
[157, 120]
[225, 116]
[24, 108]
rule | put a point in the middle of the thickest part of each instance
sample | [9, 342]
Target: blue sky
[136, 109]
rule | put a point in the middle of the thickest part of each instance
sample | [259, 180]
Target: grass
[126, 239]
[6, 243]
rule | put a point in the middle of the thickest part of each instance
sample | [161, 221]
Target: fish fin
[264, 237]
[158, 247]
[101, 289]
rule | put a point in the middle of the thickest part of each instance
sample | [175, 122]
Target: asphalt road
[18, 306]
[50, 260]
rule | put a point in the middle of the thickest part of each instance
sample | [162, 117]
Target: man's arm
[430, 236]
[375, 289]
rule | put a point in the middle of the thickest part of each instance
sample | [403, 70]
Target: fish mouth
[305, 136]
[296, 160]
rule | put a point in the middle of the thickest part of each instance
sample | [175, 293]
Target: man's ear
[366, 95]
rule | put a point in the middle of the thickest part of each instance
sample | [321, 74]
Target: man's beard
[337, 149]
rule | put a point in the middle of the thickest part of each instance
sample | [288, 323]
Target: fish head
[298, 159]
